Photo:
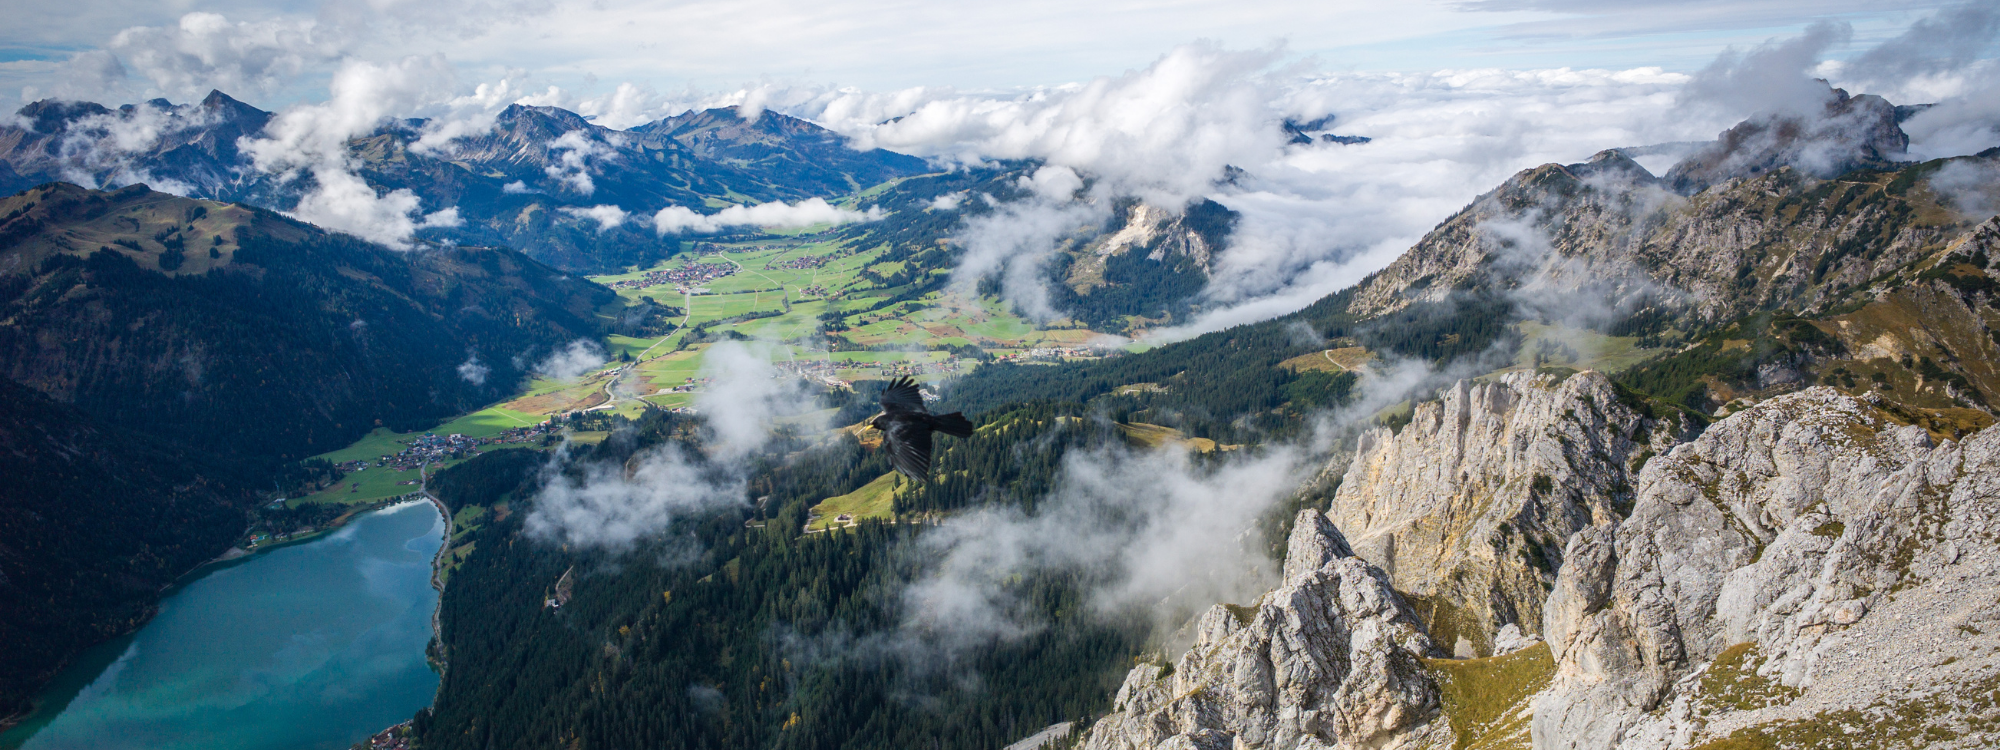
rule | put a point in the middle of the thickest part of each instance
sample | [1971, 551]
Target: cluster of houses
[1051, 353]
[690, 386]
[815, 291]
[949, 366]
[801, 263]
[815, 370]
[393, 738]
[827, 372]
[684, 277]
[430, 448]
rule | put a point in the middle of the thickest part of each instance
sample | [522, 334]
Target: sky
[278, 53]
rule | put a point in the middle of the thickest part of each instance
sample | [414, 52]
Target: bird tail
[954, 424]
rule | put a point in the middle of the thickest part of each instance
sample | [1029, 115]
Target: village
[431, 448]
[827, 371]
[685, 278]
[801, 263]
[1050, 353]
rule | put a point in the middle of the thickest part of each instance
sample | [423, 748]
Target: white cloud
[1014, 244]
[611, 507]
[313, 139]
[573, 166]
[573, 360]
[776, 214]
[206, 51]
[1148, 532]
[608, 217]
[472, 370]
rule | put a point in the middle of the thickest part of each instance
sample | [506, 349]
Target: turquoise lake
[315, 645]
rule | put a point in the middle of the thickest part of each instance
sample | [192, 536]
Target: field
[1578, 349]
[776, 309]
[376, 483]
[875, 499]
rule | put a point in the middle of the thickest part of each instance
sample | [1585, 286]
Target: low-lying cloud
[472, 370]
[608, 217]
[775, 215]
[572, 360]
[1144, 528]
[614, 505]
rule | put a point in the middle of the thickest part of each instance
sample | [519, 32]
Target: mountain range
[510, 183]
[1606, 459]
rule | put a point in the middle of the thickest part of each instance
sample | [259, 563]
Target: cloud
[1142, 529]
[1773, 77]
[608, 505]
[573, 360]
[205, 51]
[312, 139]
[100, 150]
[1943, 44]
[947, 202]
[572, 167]
[1013, 244]
[805, 213]
[1973, 187]
[608, 217]
[1164, 132]
[472, 370]
[1316, 219]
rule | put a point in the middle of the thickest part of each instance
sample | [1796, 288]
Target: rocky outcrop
[1772, 220]
[1804, 573]
[1469, 507]
[1842, 134]
[1329, 659]
[1804, 564]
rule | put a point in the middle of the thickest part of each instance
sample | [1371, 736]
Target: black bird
[907, 426]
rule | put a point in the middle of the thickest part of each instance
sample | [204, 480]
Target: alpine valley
[1608, 458]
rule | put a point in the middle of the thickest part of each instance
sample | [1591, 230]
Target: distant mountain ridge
[511, 184]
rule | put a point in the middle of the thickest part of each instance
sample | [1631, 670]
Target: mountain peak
[216, 101]
[1848, 132]
[52, 115]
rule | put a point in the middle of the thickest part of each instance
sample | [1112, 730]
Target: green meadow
[906, 332]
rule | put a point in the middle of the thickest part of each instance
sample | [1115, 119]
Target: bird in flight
[907, 426]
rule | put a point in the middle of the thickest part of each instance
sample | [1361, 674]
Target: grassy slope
[875, 499]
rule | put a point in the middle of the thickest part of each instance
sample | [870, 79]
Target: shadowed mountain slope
[238, 330]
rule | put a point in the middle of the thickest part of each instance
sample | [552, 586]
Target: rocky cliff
[1329, 659]
[1468, 508]
[1804, 573]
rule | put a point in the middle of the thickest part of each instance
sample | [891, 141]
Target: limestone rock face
[1803, 566]
[1804, 547]
[1329, 659]
[1756, 228]
[1470, 506]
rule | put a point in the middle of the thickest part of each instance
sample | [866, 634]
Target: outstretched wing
[902, 395]
[909, 444]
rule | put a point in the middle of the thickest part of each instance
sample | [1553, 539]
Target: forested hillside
[758, 635]
[240, 331]
[94, 521]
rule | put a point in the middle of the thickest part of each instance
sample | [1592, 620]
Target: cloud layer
[774, 215]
